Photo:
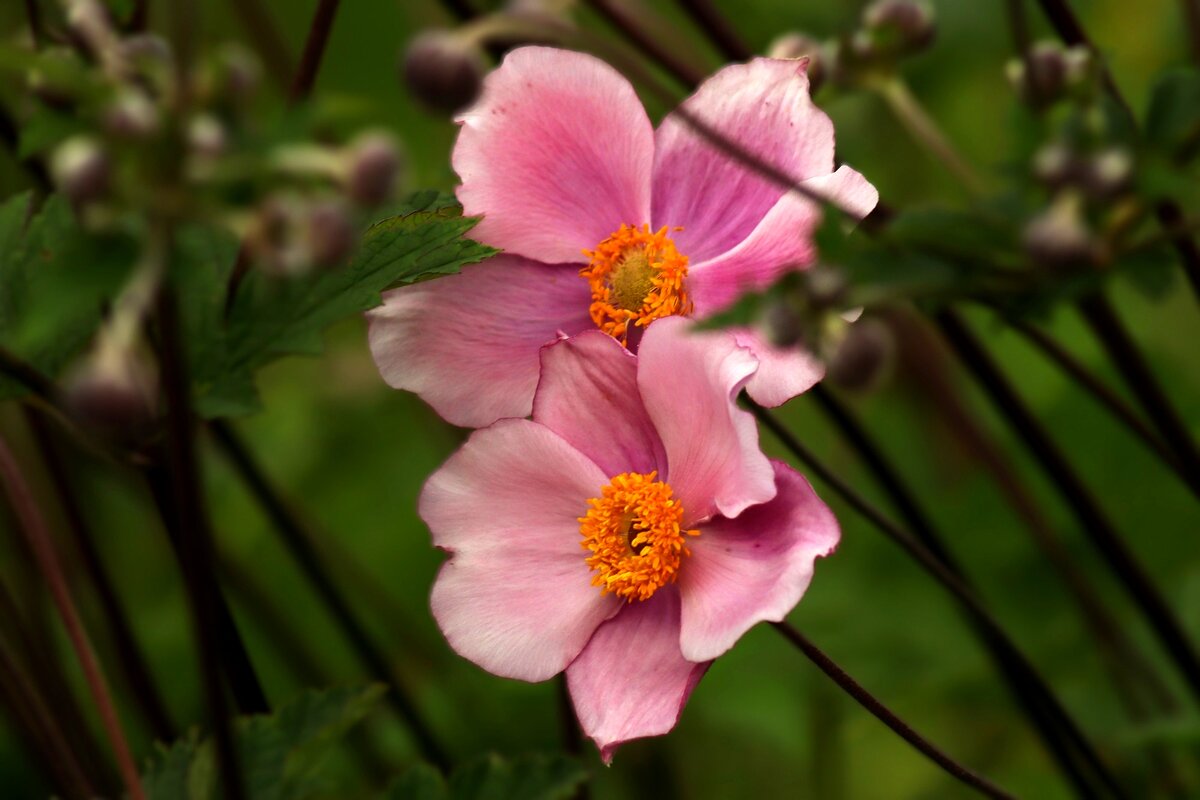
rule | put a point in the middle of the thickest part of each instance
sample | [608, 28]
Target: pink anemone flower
[608, 223]
[629, 533]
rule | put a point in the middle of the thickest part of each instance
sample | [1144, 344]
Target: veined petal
[516, 595]
[468, 344]
[631, 681]
[556, 155]
[753, 568]
[783, 372]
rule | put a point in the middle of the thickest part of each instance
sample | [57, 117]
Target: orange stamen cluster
[633, 530]
[636, 277]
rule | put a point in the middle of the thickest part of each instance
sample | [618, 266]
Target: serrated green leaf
[166, 775]
[534, 777]
[271, 317]
[1173, 116]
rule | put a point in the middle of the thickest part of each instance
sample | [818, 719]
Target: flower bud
[801, 45]
[374, 167]
[1050, 73]
[826, 288]
[1059, 237]
[239, 73]
[900, 27]
[445, 71]
[112, 395]
[81, 170]
[1056, 165]
[863, 358]
[132, 115]
[1108, 173]
[783, 324]
[331, 234]
[206, 136]
[292, 236]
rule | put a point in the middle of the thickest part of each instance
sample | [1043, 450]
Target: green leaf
[280, 755]
[535, 777]
[1173, 116]
[271, 317]
[55, 280]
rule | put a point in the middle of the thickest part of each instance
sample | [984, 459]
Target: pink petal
[588, 395]
[764, 107]
[631, 681]
[468, 344]
[689, 384]
[556, 155]
[847, 189]
[781, 243]
[754, 568]
[516, 595]
[783, 372]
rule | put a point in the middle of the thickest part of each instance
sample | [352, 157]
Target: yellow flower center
[633, 532]
[636, 277]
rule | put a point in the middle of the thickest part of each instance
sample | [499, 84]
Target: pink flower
[569, 176]
[629, 533]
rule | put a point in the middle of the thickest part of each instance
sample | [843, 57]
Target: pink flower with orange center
[608, 223]
[629, 533]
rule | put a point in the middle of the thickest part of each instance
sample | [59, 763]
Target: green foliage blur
[352, 454]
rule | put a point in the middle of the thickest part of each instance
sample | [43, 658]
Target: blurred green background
[352, 454]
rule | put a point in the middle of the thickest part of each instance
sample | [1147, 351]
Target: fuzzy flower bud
[112, 395]
[1059, 237]
[1050, 73]
[801, 45]
[899, 27]
[1109, 172]
[132, 115]
[81, 169]
[331, 234]
[444, 70]
[863, 357]
[373, 169]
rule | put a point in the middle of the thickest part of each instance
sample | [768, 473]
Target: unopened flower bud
[239, 72]
[206, 136]
[825, 288]
[1059, 237]
[331, 234]
[112, 395]
[900, 27]
[1056, 165]
[783, 324]
[81, 170]
[1050, 72]
[374, 166]
[863, 357]
[132, 115]
[1109, 172]
[444, 70]
[801, 45]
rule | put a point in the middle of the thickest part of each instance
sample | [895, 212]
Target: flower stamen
[636, 277]
[634, 533]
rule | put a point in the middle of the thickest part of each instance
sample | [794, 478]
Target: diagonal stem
[314, 51]
[710, 20]
[887, 716]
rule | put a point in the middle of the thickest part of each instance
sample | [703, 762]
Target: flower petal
[783, 372]
[631, 680]
[689, 384]
[556, 155]
[468, 344]
[588, 395]
[754, 568]
[847, 189]
[762, 106]
[516, 595]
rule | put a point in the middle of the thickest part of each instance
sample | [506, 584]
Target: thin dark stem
[653, 46]
[887, 716]
[717, 28]
[572, 736]
[178, 496]
[1096, 387]
[314, 50]
[1102, 318]
[33, 526]
[133, 664]
[1095, 524]
[33, 380]
[461, 10]
[34, 15]
[139, 16]
[1191, 18]
[951, 583]
[255, 17]
[300, 546]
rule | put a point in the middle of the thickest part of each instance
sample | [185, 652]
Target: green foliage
[1173, 116]
[271, 317]
[280, 755]
[493, 778]
[55, 279]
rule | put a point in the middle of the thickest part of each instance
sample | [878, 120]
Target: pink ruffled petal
[847, 189]
[754, 568]
[783, 372]
[631, 681]
[516, 595]
[588, 395]
[764, 107]
[689, 385]
[468, 344]
[556, 155]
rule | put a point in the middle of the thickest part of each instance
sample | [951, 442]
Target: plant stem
[956, 587]
[255, 17]
[133, 663]
[1097, 527]
[1191, 18]
[33, 526]
[912, 115]
[886, 716]
[1098, 389]
[299, 545]
[314, 50]
[717, 28]
[1100, 316]
[628, 24]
